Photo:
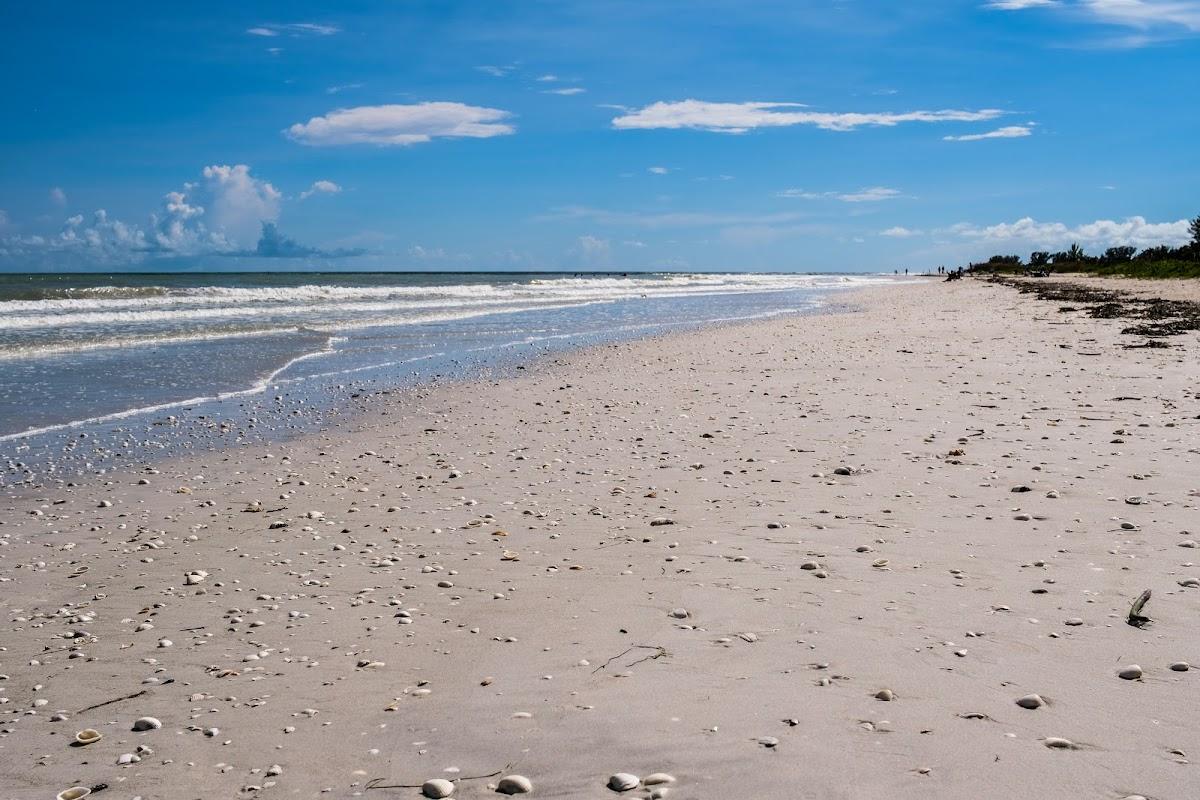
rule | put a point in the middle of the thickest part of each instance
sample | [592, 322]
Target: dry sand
[469, 580]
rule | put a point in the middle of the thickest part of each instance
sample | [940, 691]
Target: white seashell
[656, 778]
[88, 735]
[146, 724]
[514, 784]
[623, 782]
[74, 793]
[437, 787]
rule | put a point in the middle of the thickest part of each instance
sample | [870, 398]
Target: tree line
[1163, 259]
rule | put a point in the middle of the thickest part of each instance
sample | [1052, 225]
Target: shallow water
[88, 354]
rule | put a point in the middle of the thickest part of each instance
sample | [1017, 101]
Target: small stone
[657, 778]
[146, 724]
[1058, 743]
[1130, 673]
[1031, 701]
[768, 741]
[514, 784]
[887, 695]
[1179, 666]
[437, 787]
[623, 782]
[680, 613]
[129, 758]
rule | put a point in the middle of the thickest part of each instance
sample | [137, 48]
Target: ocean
[88, 356]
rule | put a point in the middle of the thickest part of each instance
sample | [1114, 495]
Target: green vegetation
[1153, 262]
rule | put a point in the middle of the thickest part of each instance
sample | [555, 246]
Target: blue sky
[704, 134]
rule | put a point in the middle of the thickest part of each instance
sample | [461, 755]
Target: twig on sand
[376, 783]
[660, 651]
[1135, 618]
[121, 699]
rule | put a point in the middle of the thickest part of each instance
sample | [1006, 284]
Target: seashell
[437, 787]
[88, 736]
[510, 555]
[1059, 743]
[514, 784]
[657, 778]
[887, 695]
[74, 793]
[623, 782]
[146, 724]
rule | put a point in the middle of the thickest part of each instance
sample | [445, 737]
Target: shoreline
[701, 553]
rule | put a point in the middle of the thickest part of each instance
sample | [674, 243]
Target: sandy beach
[810, 557]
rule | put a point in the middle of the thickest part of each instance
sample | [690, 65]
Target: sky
[845, 135]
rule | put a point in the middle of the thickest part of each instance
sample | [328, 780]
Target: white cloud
[1007, 132]
[58, 196]
[1135, 231]
[343, 87]
[237, 202]
[871, 194]
[401, 124]
[496, 71]
[427, 254]
[594, 251]
[742, 117]
[223, 212]
[900, 232]
[320, 187]
[547, 78]
[657, 170]
[1146, 13]
[294, 29]
[669, 219]
[1016, 5]
[567, 91]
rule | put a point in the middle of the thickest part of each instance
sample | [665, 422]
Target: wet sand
[813, 557]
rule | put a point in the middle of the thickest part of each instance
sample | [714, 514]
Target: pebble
[887, 695]
[1179, 666]
[514, 784]
[1130, 673]
[1058, 743]
[1031, 701]
[623, 782]
[437, 787]
[657, 778]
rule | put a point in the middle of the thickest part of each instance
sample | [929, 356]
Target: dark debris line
[1158, 318]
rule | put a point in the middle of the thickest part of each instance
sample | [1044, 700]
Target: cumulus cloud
[294, 29]
[742, 117]
[1007, 132]
[226, 212]
[899, 232]
[870, 194]
[1134, 231]
[401, 124]
[320, 187]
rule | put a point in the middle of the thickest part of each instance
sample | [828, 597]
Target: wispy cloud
[566, 91]
[294, 29]
[669, 219]
[900, 232]
[1008, 132]
[657, 170]
[320, 187]
[497, 71]
[871, 194]
[1016, 5]
[343, 87]
[742, 117]
[401, 124]
[1134, 231]
[1155, 20]
[58, 196]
